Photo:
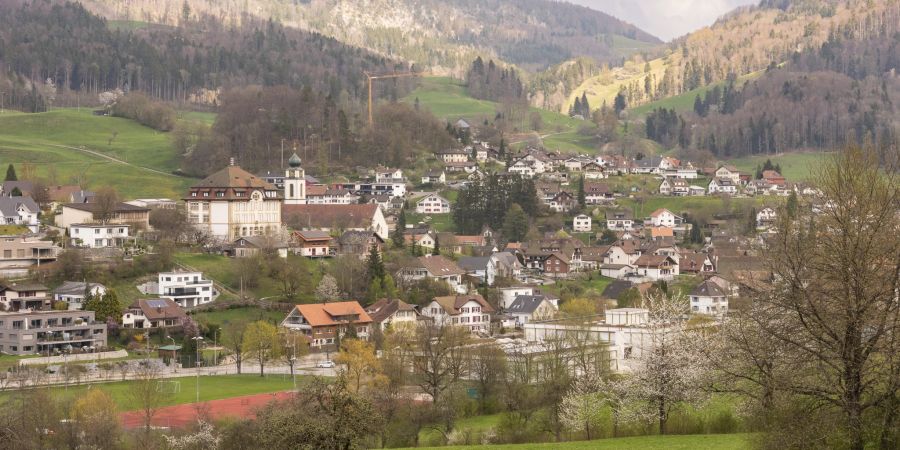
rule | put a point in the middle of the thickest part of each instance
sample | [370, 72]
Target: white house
[657, 267]
[523, 168]
[530, 308]
[20, 211]
[434, 177]
[729, 172]
[508, 294]
[709, 298]
[453, 156]
[722, 186]
[387, 175]
[581, 223]
[98, 235]
[392, 313]
[72, 292]
[505, 265]
[187, 289]
[619, 220]
[433, 204]
[664, 218]
[153, 313]
[471, 311]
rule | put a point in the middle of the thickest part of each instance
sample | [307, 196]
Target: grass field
[211, 388]
[40, 140]
[223, 317]
[227, 271]
[794, 166]
[447, 99]
[597, 284]
[440, 222]
[682, 442]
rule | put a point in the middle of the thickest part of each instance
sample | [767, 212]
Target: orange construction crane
[372, 76]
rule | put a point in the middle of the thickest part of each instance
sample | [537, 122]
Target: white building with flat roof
[98, 235]
[187, 289]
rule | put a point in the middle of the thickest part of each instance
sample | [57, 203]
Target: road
[111, 158]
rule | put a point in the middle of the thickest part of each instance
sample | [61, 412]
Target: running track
[180, 416]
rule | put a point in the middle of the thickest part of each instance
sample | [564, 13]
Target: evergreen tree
[515, 224]
[585, 106]
[790, 206]
[577, 108]
[619, 104]
[696, 233]
[607, 237]
[501, 152]
[11, 173]
[105, 306]
[437, 246]
[397, 236]
[16, 192]
[751, 221]
[374, 264]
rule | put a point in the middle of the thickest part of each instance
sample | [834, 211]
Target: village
[594, 244]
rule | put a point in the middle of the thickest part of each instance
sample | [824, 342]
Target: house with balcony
[470, 311]
[22, 296]
[98, 235]
[433, 204]
[438, 268]
[187, 289]
[324, 323]
[19, 253]
[709, 298]
[395, 313]
[27, 332]
[20, 211]
[153, 313]
[313, 244]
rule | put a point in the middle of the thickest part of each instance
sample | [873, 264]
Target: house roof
[596, 188]
[331, 216]
[619, 215]
[159, 308]
[473, 263]
[594, 253]
[231, 180]
[74, 288]
[452, 303]
[313, 235]
[384, 308]
[656, 232]
[94, 207]
[62, 193]
[25, 186]
[316, 190]
[440, 266]
[20, 287]
[9, 205]
[708, 289]
[653, 260]
[323, 314]
[82, 196]
[660, 212]
[525, 304]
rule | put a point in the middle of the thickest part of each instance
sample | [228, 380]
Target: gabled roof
[159, 308]
[619, 215]
[384, 308]
[440, 266]
[94, 207]
[660, 212]
[82, 196]
[525, 304]
[653, 260]
[21, 287]
[473, 263]
[9, 206]
[74, 288]
[324, 314]
[313, 235]
[452, 303]
[233, 177]
[594, 253]
[331, 216]
[708, 289]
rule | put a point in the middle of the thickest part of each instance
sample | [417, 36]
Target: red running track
[181, 416]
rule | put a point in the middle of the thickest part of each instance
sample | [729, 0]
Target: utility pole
[198, 340]
[371, 76]
[282, 153]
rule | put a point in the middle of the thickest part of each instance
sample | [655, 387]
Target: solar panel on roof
[156, 303]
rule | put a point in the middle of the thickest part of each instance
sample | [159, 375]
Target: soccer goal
[168, 387]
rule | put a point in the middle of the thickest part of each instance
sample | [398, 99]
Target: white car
[325, 364]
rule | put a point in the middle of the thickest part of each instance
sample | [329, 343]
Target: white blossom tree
[327, 289]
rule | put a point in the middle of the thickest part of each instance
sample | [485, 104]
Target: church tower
[294, 183]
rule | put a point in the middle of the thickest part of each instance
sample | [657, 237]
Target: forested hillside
[745, 41]
[842, 92]
[44, 46]
[444, 35]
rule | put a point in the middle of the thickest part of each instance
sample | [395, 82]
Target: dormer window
[206, 194]
[193, 194]
[220, 194]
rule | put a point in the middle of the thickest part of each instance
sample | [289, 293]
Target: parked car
[327, 364]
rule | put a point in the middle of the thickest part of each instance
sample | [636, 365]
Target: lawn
[228, 272]
[226, 316]
[798, 166]
[476, 424]
[447, 99]
[206, 118]
[211, 388]
[672, 442]
[440, 222]
[41, 140]
[596, 284]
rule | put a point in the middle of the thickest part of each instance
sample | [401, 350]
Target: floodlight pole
[198, 340]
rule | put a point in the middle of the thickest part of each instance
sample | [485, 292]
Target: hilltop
[444, 36]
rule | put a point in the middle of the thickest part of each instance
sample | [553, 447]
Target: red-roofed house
[471, 311]
[323, 323]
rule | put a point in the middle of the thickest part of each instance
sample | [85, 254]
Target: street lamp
[174, 354]
[198, 340]
[216, 347]
[293, 376]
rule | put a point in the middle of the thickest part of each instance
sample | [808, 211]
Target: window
[206, 194]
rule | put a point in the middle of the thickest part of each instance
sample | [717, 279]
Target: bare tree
[233, 339]
[144, 392]
[107, 199]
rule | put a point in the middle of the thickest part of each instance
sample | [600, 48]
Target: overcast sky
[666, 19]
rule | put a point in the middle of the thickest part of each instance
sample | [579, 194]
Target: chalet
[657, 267]
[563, 201]
[503, 265]
[433, 204]
[20, 211]
[674, 186]
[471, 311]
[691, 262]
[597, 193]
[324, 323]
[438, 268]
[153, 313]
[248, 246]
[592, 257]
[336, 218]
[526, 169]
[421, 237]
[619, 220]
[558, 265]
[434, 176]
[313, 243]
[392, 314]
[594, 171]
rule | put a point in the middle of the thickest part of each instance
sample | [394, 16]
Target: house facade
[187, 289]
[393, 314]
[153, 313]
[50, 332]
[438, 268]
[470, 311]
[582, 223]
[709, 298]
[96, 235]
[20, 211]
[433, 204]
[72, 292]
[232, 203]
[324, 324]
